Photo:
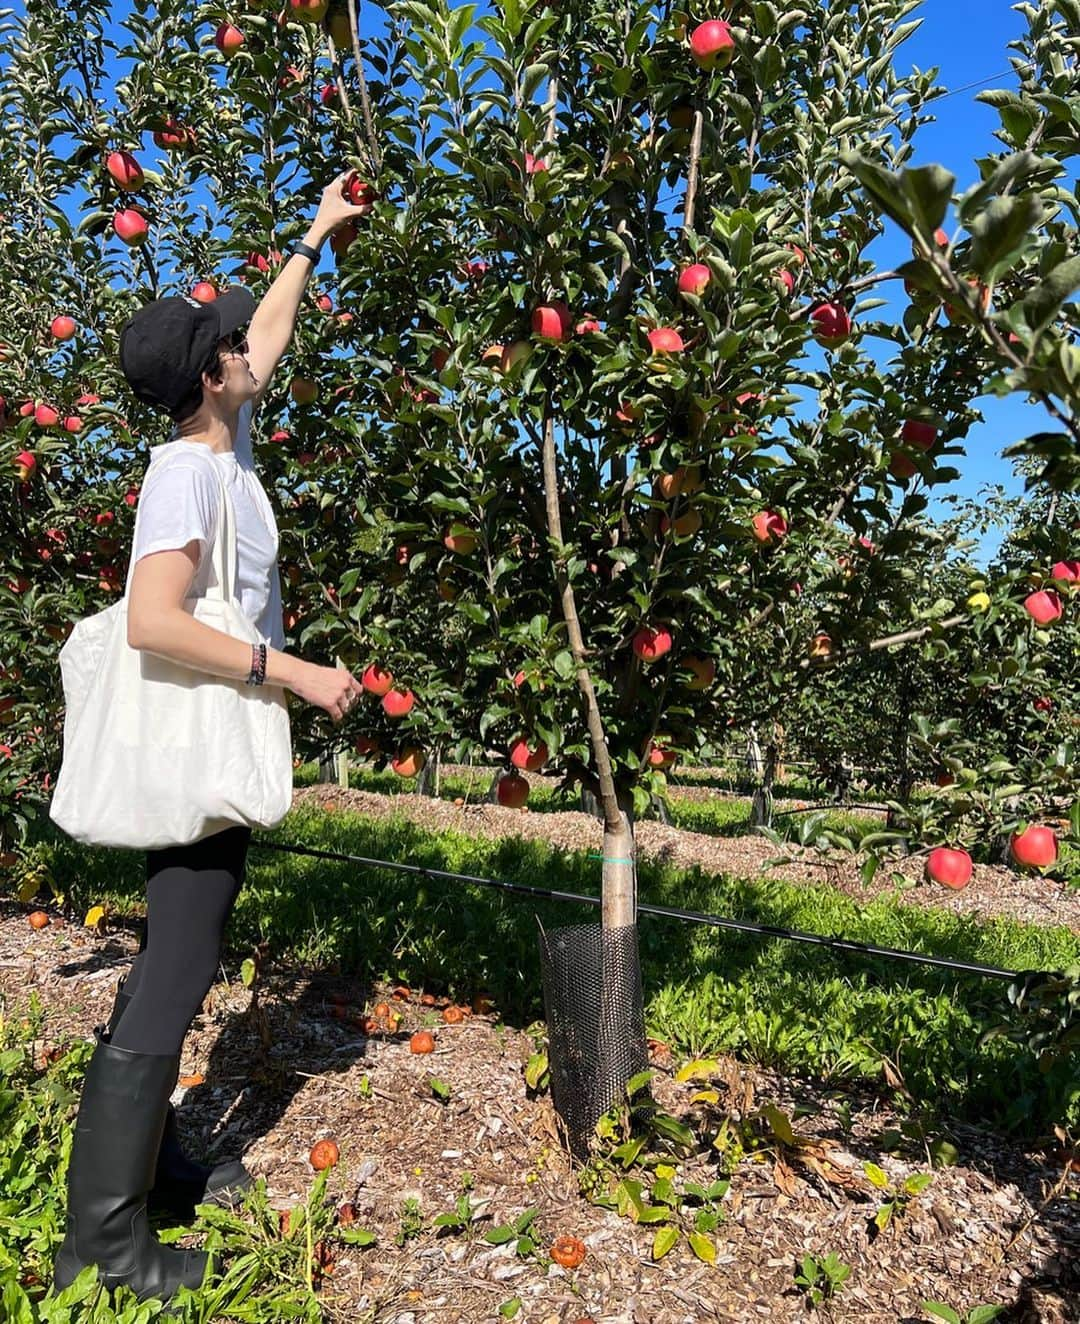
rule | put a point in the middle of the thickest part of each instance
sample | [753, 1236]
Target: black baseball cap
[167, 345]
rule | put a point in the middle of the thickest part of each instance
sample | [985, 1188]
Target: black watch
[305, 250]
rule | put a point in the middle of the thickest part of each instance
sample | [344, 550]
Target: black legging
[190, 893]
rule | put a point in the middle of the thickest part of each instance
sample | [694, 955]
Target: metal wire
[833, 942]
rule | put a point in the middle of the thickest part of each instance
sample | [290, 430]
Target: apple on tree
[409, 761]
[460, 539]
[528, 760]
[376, 680]
[552, 321]
[694, 278]
[651, 643]
[831, 323]
[130, 226]
[203, 292]
[125, 170]
[703, 670]
[712, 44]
[665, 340]
[1067, 572]
[398, 703]
[1043, 606]
[309, 11]
[25, 464]
[62, 328]
[769, 527]
[228, 39]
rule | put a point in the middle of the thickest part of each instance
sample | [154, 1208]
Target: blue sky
[967, 40]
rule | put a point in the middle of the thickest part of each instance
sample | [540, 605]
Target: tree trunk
[761, 808]
[754, 762]
[327, 768]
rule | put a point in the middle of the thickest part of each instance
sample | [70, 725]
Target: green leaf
[941, 1310]
[1044, 301]
[665, 1238]
[1001, 232]
[702, 1247]
[510, 1308]
[928, 189]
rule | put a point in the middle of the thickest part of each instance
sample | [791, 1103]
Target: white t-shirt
[179, 501]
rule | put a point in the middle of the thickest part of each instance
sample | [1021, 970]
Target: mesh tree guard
[595, 1021]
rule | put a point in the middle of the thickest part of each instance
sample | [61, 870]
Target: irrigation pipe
[834, 943]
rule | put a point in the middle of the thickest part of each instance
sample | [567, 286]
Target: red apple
[687, 524]
[474, 269]
[519, 351]
[832, 325]
[658, 754]
[63, 328]
[324, 303]
[534, 166]
[174, 136]
[409, 762]
[821, 645]
[1067, 571]
[651, 643]
[45, 416]
[292, 80]
[203, 292]
[769, 527]
[125, 170]
[512, 790]
[463, 542]
[303, 390]
[693, 279]
[327, 93]
[983, 292]
[1043, 606]
[342, 239]
[365, 745]
[398, 703]
[901, 465]
[665, 340]
[360, 193]
[712, 44]
[309, 11]
[950, 868]
[376, 680]
[552, 321]
[1043, 705]
[73, 423]
[921, 435]
[228, 39]
[130, 226]
[787, 280]
[1035, 847]
[25, 464]
[530, 760]
[586, 326]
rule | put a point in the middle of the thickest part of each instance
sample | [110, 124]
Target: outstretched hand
[335, 208]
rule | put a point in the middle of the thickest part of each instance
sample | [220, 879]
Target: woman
[194, 361]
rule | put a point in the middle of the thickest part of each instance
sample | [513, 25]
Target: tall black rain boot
[180, 1183]
[114, 1149]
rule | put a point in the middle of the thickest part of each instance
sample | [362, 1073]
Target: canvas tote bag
[157, 754]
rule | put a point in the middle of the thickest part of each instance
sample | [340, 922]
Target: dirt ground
[1002, 1225]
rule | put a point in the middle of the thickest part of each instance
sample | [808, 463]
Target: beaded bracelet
[257, 675]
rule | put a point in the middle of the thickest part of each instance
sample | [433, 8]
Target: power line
[981, 82]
